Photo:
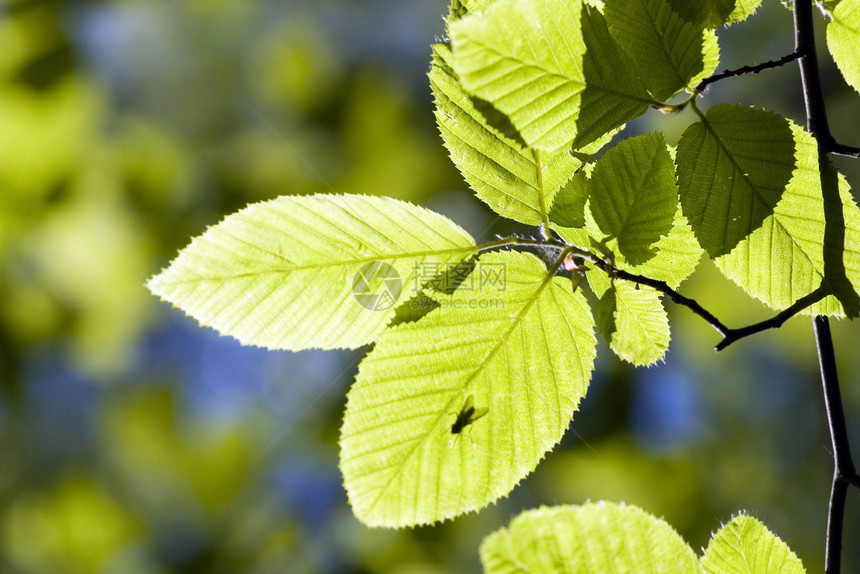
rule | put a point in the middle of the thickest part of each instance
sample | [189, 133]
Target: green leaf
[843, 40]
[666, 49]
[784, 259]
[536, 61]
[710, 56]
[743, 10]
[677, 254]
[614, 94]
[568, 209]
[746, 546]
[321, 271]
[708, 13]
[525, 57]
[522, 348]
[633, 195]
[503, 173]
[732, 169]
[631, 318]
[594, 537]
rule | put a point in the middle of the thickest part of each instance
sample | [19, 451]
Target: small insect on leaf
[467, 415]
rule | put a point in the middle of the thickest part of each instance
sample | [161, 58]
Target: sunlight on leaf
[503, 173]
[594, 537]
[784, 259]
[519, 341]
[746, 546]
[631, 318]
[525, 57]
[843, 40]
[568, 209]
[310, 271]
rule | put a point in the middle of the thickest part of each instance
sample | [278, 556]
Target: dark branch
[844, 150]
[729, 335]
[664, 288]
[774, 322]
[703, 85]
[844, 473]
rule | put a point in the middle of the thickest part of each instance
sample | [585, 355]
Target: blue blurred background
[134, 441]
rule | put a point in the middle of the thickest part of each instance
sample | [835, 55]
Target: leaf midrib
[317, 267]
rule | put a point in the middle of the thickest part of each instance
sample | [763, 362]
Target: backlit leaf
[525, 57]
[594, 537]
[843, 40]
[300, 272]
[785, 259]
[631, 318]
[568, 209]
[746, 546]
[538, 61]
[518, 340]
[503, 173]
[708, 13]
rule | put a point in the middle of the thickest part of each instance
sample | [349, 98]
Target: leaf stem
[544, 228]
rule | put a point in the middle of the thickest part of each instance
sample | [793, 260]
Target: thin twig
[703, 85]
[843, 150]
[774, 322]
[729, 335]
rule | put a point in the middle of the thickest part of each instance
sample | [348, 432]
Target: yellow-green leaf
[519, 342]
[322, 271]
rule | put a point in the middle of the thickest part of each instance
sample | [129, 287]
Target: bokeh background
[133, 441]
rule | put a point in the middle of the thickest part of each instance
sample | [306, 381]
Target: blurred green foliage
[131, 441]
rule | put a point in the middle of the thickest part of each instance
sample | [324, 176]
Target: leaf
[743, 10]
[568, 209]
[594, 537]
[633, 195]
[732, 169]
[784, 259]
[614, 94]
[321, 271]
[843, 40]
[710, 56]
[708, 13]
[503, 174]
[534, 59]
[528, 362]
[746, 546]
[666, 49]
[525, 57]
[631, 318]
[677, 254]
